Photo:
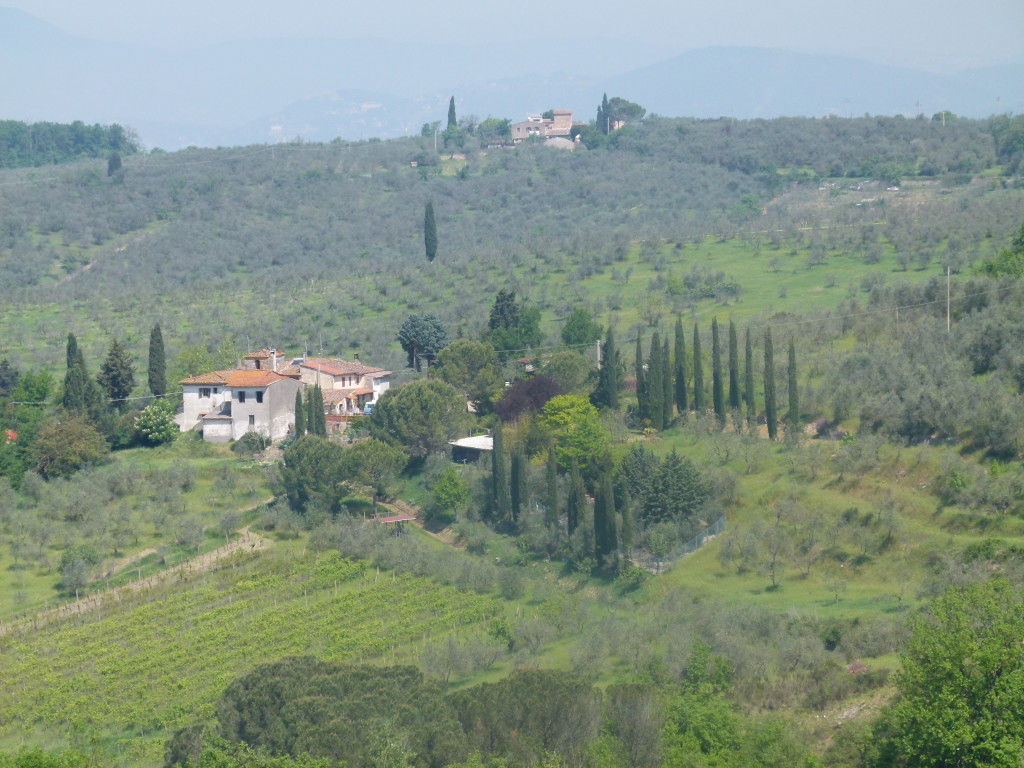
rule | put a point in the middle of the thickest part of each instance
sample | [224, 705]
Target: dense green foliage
[961, 683]
[421, 417]
[24, 145]
[156, 369]
[785, 568]
[302, 705]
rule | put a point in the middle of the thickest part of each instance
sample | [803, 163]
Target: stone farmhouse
[348, 387]
[259, 394]
[558, 126]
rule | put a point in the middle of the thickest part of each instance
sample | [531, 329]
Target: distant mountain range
[269, 90]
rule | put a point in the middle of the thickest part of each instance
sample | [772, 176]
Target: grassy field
[127, 675]
[880, 580]
[221, 483]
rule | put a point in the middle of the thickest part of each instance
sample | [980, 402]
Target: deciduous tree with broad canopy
[961, 684]
[421, 417]
[471, 367]
[422, 336]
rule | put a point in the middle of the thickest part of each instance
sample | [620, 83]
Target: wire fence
[644, 559]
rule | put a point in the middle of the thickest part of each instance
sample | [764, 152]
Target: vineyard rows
[155, 667]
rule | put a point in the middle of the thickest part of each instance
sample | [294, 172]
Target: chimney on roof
[273, 360]
[356, 356]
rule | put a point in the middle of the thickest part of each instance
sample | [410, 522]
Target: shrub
[250, 443]
[156, 424]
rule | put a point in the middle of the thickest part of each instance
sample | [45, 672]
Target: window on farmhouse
[259, 397]
[241, 396]
[204, 392]
[252, 420]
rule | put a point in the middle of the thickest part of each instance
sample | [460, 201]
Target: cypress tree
[551, 478]
[82, 394]
[321, 416]
[793, 417]
[734, 369]
[310, 411]
[316, 420]
[698, 373]
[609, 378]
[642, 405]
[717, 388]
[769, 386]
[518, 490]
[452, 122]
[74, 398]
[499, 478]
[604, 116]
[576, 503]
[300, 414]
[680, 368]
[666, 383]
[156, 377]
[628, 523]
[117, 375]
[748, 380]
[605, 537]
[71, 351]
[655, 385]
[430, 232]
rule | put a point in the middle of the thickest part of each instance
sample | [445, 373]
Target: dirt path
[247, 541]
[446, 535]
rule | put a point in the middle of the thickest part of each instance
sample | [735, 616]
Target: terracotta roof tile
[336, 395]
[214, 377]
[253, 378]
[263, 354]
[336, 367]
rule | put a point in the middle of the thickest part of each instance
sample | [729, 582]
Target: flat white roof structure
[478, 443]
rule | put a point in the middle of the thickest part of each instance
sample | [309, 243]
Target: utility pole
[947, 298]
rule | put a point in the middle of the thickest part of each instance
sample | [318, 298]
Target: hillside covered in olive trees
[762, 531]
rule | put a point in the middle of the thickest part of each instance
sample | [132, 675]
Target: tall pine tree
[734, 369]
[680, 369]
[430, 232]
[717, 388]
[156, 377]
[698, 373]
[117, 375]
[793, 416]
[655, 385]
[748, 380]
[769, 386]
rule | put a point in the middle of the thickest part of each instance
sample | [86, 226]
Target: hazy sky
[939, 35]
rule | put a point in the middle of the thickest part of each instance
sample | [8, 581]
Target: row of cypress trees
[663, 381]
[115, 380]
[310, 418]
[510, 496]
